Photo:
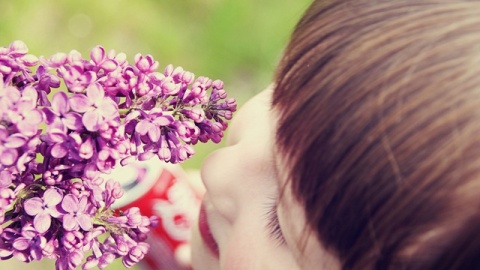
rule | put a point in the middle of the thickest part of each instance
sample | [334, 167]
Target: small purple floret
[43, 209]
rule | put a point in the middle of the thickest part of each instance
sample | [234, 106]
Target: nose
[218, 174]
[232, 175]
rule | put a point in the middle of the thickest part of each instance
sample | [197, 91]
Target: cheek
[293, 223]
[240, 254]
[303, 243]
[250, 247]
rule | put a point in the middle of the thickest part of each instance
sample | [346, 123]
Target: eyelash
[273, 225]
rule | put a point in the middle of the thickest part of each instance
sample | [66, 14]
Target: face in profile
[244, 222]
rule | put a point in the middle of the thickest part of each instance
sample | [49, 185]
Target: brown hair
[380, 128]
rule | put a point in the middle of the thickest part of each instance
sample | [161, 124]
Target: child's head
[380, 128]
[370, 154]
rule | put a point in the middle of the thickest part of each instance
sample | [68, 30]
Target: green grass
[237, 41]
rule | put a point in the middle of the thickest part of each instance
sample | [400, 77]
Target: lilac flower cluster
[56, 144]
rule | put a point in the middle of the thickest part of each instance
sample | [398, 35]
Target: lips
[205, 232]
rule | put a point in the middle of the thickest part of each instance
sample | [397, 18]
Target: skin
[242, 181]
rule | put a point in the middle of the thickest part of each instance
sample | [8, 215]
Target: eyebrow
[276, 173]
[271, 116]
[281, 185]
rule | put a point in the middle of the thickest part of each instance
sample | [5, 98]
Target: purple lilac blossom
[43, 209]
[65, 121]
[76, 215]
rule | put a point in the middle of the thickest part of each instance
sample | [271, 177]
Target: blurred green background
[237, 41]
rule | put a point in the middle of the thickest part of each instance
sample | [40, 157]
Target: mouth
[205, 232]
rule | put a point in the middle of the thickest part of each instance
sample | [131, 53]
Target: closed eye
[273, 225]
